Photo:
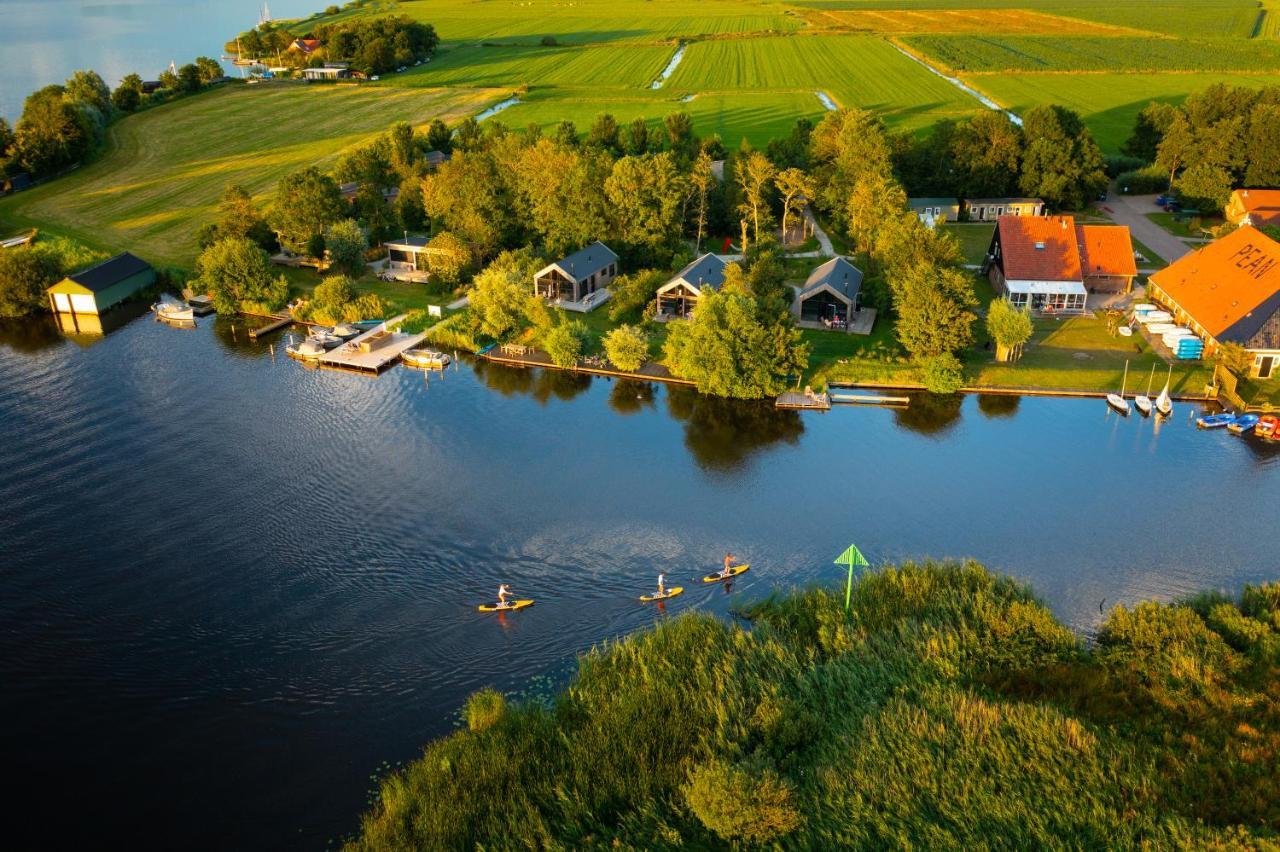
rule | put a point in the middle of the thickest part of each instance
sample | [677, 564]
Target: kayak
[733, 572]
[507, 608]
[671, 593]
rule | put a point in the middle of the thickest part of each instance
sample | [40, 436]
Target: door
[62, 303]
[1266, 364]
[83, 304]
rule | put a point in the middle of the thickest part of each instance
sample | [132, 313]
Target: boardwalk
[374, 350]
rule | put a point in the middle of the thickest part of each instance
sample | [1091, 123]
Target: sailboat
[1164, 405]
[1142, 401]
[1117, 401]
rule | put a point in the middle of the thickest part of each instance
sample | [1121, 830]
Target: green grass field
[987, 53]
[165, 169]
[475, 65]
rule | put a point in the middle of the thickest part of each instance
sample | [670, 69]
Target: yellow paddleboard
[510, 606]
[733, 572]
[671, 593]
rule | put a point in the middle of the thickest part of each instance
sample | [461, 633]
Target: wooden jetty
[373, 351]
[280, 322]
[869, 399]
[808, 401]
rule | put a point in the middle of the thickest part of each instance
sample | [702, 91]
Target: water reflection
[29, 335]
[539, 384]
[631, 397]
[998, 404]
[930, 414]
[723, 433]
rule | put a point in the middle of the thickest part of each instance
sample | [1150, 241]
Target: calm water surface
[44, 41]
[232, 586]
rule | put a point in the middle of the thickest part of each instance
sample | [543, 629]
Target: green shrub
[627, 347]
[564, 343]
[1143, 181]
[741, 802]
[942, 373]
[484, 709]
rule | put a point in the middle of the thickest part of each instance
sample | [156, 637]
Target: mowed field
[982, 21]
[165, 169]
[598, 65]
[997, 53]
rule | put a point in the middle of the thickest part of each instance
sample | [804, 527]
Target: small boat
[1142, 401]
[429, 358]
[346, 330]
[1117, 400]
[174, 312]
[671, 593]
[1242, 424]
[1216, 421]
[1154, 316]
[1268, 427]
[325, 338]
[1164, 405]
[733, 572]
[509, 605]
[307, 350]
[1125, 331]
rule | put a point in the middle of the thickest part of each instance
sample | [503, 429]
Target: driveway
[1131, 210]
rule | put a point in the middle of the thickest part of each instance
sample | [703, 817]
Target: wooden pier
[805, 401]
[373, 351]
[280, 322]
[869, 399]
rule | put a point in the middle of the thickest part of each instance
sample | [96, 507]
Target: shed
[934, 210]
[991, 209]
[830, 294]
[99, 288]
[679, 296]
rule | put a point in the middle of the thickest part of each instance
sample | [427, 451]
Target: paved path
[1131, 210]
[824, 242]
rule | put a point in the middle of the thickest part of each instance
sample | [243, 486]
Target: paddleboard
[733, 572]
[671, 593]
[510, 606]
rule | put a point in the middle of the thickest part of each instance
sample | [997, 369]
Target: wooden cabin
[679, 296]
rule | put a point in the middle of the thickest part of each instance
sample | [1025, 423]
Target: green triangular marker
[852, 557]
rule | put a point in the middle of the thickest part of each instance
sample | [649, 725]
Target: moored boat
[174, 311]
[425, 358]
[1117, 400]
[1164, 405]
[1268, 427]
[346, 330]
[1242, 424]
[1215, 421]
[1142, 401]
[307, 350]
[325, 338]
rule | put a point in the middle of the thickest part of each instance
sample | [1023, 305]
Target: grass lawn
[974, 237]
[1180, 226]
[164, 170]
[1152, 259]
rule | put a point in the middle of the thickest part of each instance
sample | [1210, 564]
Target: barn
[99, 288]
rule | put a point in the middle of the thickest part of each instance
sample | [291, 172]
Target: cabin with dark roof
[578, 281]
[991, 209]
[829, 297]
[99, 288]
[679, 296]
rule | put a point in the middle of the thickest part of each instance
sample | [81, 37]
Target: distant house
[407, 254]
[934, 210]
[1228, 291]
[829, 296]
[151, 86]
[349, 192]
[679, 296]
[435, 159]
[327, 73]
[1257, 207]
[578, 277]
[305, 46]
[991, 209]
[1050, 263]
[99, 288]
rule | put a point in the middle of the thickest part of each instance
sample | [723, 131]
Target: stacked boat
[1184, 344]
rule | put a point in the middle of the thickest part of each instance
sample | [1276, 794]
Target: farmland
[164, 170]
[988, 53]
[984, 21]
[474, 65]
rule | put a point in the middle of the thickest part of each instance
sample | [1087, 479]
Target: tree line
[373, 45]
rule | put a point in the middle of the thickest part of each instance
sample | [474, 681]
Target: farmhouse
[575, 282]
[1228, 291]
[1257, 207]
[991, 209]
[1051, 264]
[934, 210]
[305, 46]
[829, 296]
[679, 296]
[99, 288]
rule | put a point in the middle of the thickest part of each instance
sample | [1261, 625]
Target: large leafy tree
[795, 187]
[1149, 129]
[874, 200]
[500, 294]
[934, 304]
[307, 202]
[346, 243]
[560, 193]
[755, 173]
[237, 274]
[1061, 162]
[987, 155]
[52, 132]
[845, 146]
[646, 200]
[128, 95]
[1009, 327]
[468, 196]
[25, 273]
[605, 134]
[1263, 146]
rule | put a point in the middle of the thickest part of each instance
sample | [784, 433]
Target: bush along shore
[946, 708]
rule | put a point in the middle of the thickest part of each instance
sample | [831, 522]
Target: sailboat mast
[1125, 381]
[1151, 378]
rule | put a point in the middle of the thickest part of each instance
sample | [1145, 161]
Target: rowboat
[1242, 424]
[1268, 427]
[1215, 421]
[174, 311]
[429, 358]
[1117, 401]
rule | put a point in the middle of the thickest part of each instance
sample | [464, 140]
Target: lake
[233, 586]
[44, 41]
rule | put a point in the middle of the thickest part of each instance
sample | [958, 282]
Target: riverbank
[946, 706]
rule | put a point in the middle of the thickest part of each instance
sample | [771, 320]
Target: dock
[373, 351]
[280, 322]
[805, 401]
[869, 399]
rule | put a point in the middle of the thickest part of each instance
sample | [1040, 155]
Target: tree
[874, 199]
[933, 305]
[210, 70]
[725, 350]
[499, 293]
[439, 137]
[189, 78]
[845, 146]
[645, 196]
[448, 257]
[792, 152]
[25, 273]
[564, 343]
[605, 134]
[566, 134]
[1262, 146]
[1205, 185]
[307, 202]
[942, 373]
[88, 88]
[638, 137]
[754, 174]
[238, 216]
[1061, 163]
[1009, 327]
[346, 244]
[1149, 129]
[1177, 146]
[796, 188]
[681, 140]
[634, 291]
[702, 179]
[6, 138]
[467, 135]
[987, 154]
[468, 196]
[627, 347]
[237, 273]
[128, 95]
[560, 191]
[51, 133]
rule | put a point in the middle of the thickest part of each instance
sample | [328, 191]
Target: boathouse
[99, 288]
[679, 296]
[580, 280]
[1228, 291]
[829, 296]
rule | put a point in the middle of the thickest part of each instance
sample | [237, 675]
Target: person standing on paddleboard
[662, 588]
[503, 591]
[728, 565]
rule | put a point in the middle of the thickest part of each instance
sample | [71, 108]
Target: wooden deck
[280, 322]
[811, 402]
[869, 399]
[373, 351]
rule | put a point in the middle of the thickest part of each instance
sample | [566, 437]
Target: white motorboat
[429, 358]
[307, 350]
[325, 338]
[1142, 401]
[346, 330]
[1164, 405]
[1117, 400]
[174, 311]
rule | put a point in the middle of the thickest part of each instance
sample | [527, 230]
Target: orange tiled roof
[1039, 248]
[1230, 287]
[1106, 250]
